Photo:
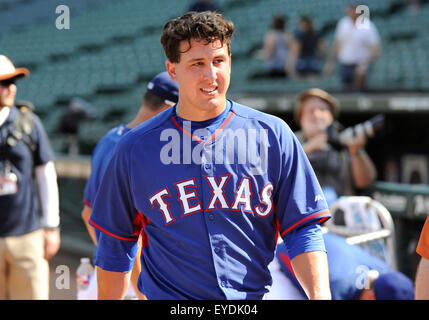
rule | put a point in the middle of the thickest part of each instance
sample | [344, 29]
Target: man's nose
[210, 72]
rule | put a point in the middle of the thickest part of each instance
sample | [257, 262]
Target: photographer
[340, 172]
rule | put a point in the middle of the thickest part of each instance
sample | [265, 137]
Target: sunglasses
[7, 83]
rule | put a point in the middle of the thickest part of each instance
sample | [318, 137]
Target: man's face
[316, 116]
[351, 12]
[7, 95]
[203, 75]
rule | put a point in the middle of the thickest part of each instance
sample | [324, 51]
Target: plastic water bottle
[84, 273]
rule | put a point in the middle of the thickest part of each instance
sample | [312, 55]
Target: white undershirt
[4, 113]
[46, 178]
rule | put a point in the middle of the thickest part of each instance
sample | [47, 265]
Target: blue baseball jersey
[209, 199]
[101, 156]
[348, 267]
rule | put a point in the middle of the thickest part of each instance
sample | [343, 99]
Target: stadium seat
[115, 44]
[365, 222]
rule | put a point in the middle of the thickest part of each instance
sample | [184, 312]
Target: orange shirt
[423, 245]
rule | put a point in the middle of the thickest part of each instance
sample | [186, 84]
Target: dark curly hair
[207, 26]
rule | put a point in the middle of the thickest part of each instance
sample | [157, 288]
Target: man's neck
[199, 115]
[143, 115]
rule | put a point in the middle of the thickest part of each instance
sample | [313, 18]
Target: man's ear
[171, 69]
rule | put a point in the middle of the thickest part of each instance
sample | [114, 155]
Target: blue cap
[393, 286]
[165, 88]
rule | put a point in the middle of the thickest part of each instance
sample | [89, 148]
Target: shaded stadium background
[91, 77]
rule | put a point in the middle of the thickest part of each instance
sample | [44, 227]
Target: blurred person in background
[356, 47]
[275, 50]
[422, 275]
[29, 201]
[307, 49]
[354, 274]
[161, 94]
[340, 172]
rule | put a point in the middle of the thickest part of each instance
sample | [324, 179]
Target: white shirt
[4, 114]
[355, 42]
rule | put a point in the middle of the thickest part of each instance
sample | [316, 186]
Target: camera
[339, 137]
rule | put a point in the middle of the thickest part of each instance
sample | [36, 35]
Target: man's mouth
[210, 90]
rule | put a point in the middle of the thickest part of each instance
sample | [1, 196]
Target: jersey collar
[214, 125]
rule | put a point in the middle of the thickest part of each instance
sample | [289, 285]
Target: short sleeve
[114, 214]
[93, 180]
[299, 197]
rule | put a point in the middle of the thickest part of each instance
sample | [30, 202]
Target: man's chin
[214, 103]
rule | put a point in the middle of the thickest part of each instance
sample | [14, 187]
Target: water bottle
[84, 273]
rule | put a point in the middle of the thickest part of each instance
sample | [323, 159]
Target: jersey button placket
[207, 157]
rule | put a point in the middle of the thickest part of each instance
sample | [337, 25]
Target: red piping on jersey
[184, 131]
[221, 127]
[323, 220]
[111, 234]
[305, 219]
[285, 259]
[144, 221]
[87, 203]
[277, 225]
[198, 139]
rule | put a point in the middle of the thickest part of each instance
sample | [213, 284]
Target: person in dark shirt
[307, 49]
[29, 202]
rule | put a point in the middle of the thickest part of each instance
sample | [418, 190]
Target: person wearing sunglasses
[29, 202]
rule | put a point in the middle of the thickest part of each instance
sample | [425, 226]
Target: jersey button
[211, 217]
[207, 166]
[223, 283]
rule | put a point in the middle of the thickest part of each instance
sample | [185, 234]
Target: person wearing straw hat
[29, 202]
[340, 172]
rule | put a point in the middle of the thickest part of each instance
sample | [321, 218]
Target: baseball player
[354, 274]
[161, 93]
[209, 184]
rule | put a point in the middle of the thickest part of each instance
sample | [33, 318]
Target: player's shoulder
[112, 136]
[117, 132]
[143, 132]
[268, 120]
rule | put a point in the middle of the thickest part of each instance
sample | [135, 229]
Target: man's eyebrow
[223, 56]
[195, 59]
